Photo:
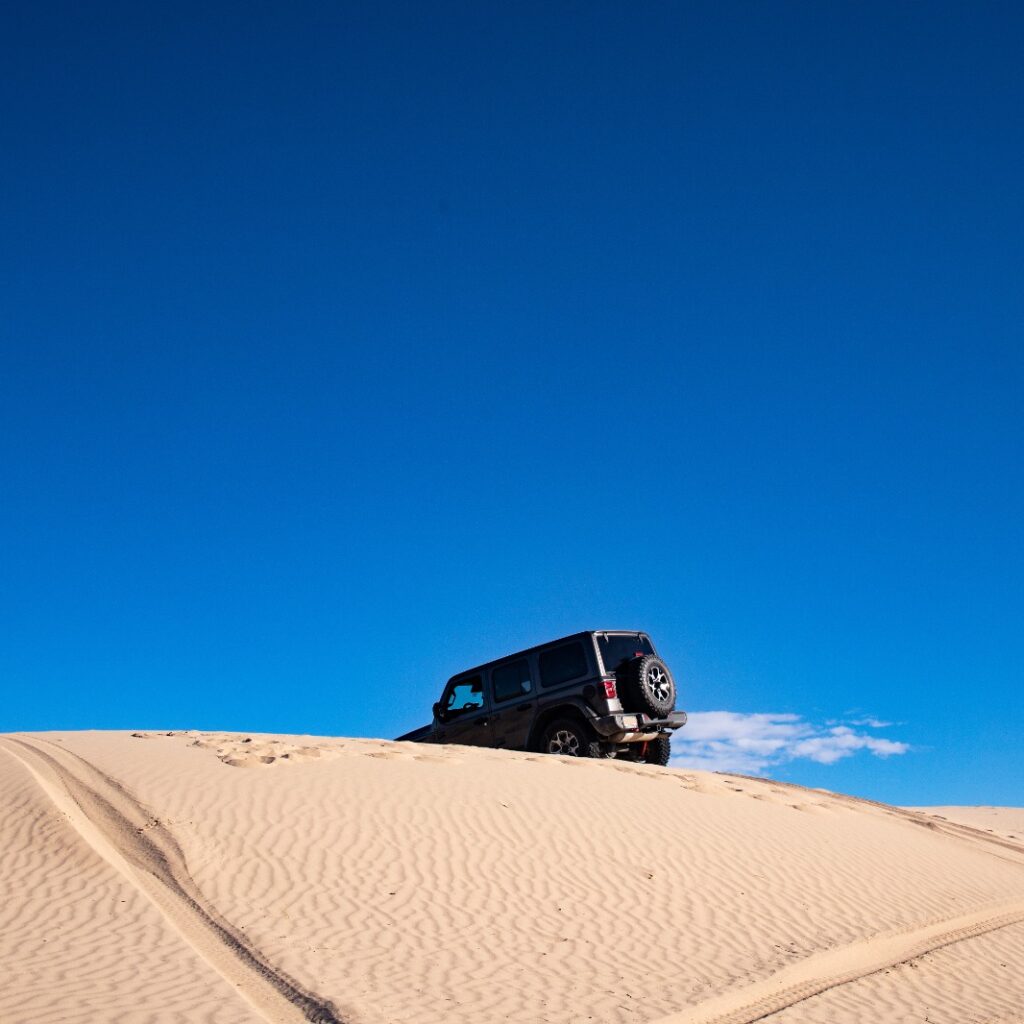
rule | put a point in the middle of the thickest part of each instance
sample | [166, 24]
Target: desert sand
[1007, 822]
[196, 877]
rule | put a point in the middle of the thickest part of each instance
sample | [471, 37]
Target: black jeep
[602, 693]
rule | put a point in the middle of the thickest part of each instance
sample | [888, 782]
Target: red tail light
[609, 689]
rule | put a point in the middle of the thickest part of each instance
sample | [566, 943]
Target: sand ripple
[445, 884]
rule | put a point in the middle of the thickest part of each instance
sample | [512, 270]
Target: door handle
[525, 707]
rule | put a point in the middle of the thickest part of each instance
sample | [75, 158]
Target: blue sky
[346, 346]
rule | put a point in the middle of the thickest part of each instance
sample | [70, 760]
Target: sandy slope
[1007, 822]
[196, 877]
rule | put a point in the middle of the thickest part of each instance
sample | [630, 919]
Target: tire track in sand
[136, 844]
[827, 970]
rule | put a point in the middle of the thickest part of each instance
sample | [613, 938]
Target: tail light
[610, 690]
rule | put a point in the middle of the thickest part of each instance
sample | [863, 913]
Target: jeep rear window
[617, 649]
[561, 664]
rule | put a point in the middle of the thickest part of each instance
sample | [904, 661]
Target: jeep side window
[465, 695]
[511, 680]
[560, 664]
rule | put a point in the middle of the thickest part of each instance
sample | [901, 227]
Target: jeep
[600, 693]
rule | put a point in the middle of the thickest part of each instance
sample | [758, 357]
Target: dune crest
[341, 880]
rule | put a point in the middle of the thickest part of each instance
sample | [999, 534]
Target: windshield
[616, 648]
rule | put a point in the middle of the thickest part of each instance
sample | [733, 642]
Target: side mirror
[437, 710]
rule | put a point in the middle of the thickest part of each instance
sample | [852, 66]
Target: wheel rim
[659, 685]
[564, 742]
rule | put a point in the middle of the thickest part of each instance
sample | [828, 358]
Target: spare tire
[648, 686]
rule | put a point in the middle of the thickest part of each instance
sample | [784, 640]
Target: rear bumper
[628, 728]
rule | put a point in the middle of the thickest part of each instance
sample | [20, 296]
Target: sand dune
[1007, 822]
[205, 877]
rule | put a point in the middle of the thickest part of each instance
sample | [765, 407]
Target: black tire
[648, 686]
[569, 737]
[658, 750]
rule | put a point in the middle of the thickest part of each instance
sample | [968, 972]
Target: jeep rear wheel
[649, 686]
[569, 737]
[658, 751]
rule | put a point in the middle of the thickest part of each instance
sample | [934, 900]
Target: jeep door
[512, 690]
[464, 715]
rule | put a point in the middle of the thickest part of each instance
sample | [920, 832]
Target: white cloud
[754, 743]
